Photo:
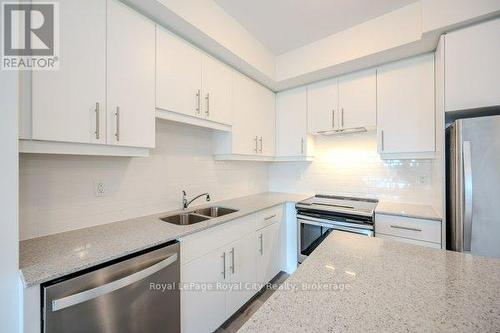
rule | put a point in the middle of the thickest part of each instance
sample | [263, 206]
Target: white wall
[9, 248]
[56, 192]
[444, 15]
[397, 28]
[350, 165]
[208, 26]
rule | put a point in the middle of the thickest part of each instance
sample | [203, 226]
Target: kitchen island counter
[352, 283]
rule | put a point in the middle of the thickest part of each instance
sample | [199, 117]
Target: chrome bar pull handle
[270, 217]
[97, 124]
[198, 101]
[260, 140]
[86, 295]
[232, 260]
[261, 250]
[333, 118]
[405, 228]
[342, 114]
[207, 98]
[223, 256]
[467, 195]
[256, 144]
[117, 114]
[302, 146]
[382, 143]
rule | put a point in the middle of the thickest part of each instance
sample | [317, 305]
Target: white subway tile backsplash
[350, 165]
[57, 192]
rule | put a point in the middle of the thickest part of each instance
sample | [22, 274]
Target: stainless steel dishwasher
[138, 293]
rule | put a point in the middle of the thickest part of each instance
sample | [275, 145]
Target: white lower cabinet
[240, 273]
[408, 230]
[219, 268]
[269, 252]
[203, 311]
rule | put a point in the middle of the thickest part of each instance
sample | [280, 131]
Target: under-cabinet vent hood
[344, 131]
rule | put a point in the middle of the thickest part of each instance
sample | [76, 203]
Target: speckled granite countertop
[407, 209]
[46, 258]
[375, 285]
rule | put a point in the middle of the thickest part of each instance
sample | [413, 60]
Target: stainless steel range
[321, 214]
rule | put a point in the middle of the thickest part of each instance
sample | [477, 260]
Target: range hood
[344, 131]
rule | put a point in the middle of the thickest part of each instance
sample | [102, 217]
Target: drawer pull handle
[270, 217]
[405, 228]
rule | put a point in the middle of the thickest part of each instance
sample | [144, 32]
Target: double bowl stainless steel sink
[198, 215]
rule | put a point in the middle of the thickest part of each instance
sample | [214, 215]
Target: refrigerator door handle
[467, 160]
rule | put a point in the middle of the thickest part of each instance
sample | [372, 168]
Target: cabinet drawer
[409, 241]
[268, 216]
[200, 243]
[399, 226]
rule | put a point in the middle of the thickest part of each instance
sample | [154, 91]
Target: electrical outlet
[422, 180]
[99, 188]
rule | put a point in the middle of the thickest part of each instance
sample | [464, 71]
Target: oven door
[312, 231]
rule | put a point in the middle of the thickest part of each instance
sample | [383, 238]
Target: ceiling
[284, 25]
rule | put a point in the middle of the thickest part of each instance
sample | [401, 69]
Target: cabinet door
[245, 127]
[291, 117]
[203, 311]
[217, 91]
[178, 75]
[322, 106]
[358, 100]
[69, 104]
[130, 77]
[472, 73]
[266, 110]
[269, 252]
[240, 268]
[405, 106]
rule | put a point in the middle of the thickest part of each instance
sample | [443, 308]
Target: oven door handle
[318, 224]
[308, 219]
[366, 232]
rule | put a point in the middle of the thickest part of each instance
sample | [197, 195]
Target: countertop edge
[28, 283]
[415, 216]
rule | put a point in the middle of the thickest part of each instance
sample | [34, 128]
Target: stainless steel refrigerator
[473, 180]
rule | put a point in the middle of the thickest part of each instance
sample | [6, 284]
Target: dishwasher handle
[89, 294]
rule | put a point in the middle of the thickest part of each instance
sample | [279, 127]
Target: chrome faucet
[186, 203]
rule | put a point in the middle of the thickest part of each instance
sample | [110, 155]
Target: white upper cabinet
[178, 75]
[291, 123]
[217, 91]
[266, 128]
[69, 104]
[405, 104]
[358, 100]
[191, 83]
[104, 91]
[323, 106]
[245, 124]
[472, 67]
[253, 126]
[130, 77]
